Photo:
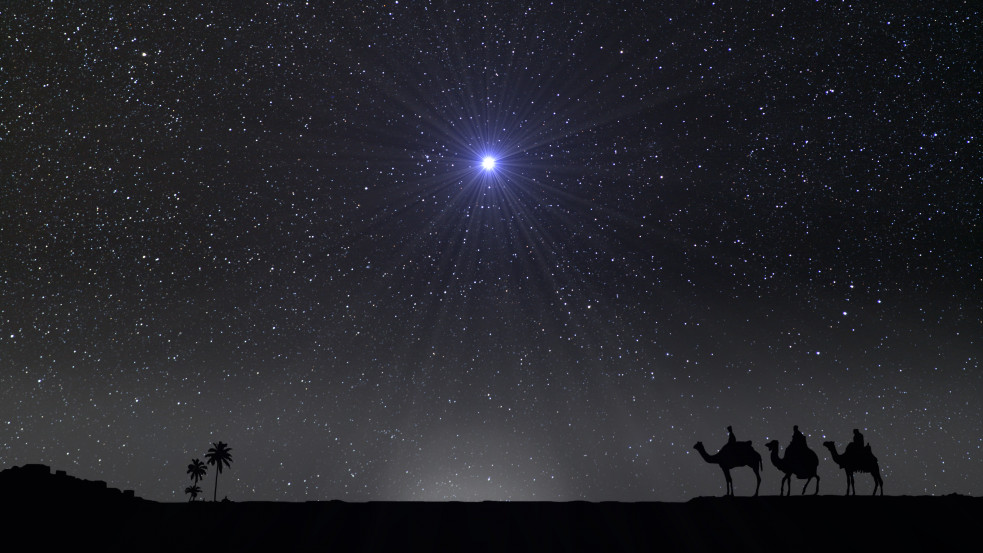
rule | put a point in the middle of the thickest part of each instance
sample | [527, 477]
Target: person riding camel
[855, 449]
[798, 439]
[798, 445]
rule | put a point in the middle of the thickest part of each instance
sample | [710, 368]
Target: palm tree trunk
[215, 494]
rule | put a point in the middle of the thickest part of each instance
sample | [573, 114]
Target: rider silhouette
[858, 439]
[798, 439]
[798, 445]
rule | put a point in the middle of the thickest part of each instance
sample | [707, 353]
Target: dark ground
[67, 512]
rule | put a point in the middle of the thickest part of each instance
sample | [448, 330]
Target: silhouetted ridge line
[730, 525]
[35, 483]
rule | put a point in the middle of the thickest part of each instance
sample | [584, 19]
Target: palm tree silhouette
[194, 491]
[197, 470]
[217, 455]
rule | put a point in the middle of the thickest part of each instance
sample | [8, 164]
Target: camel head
[698, 446]
[837, 458]
[772, 445]
[831, 446]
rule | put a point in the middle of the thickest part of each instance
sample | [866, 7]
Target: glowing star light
[488, 163]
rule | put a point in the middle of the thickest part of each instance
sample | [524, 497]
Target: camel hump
[870, 454]
[747, 443]
[851, 449]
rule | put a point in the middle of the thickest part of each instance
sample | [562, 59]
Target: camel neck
[774, 456]
[706, 456]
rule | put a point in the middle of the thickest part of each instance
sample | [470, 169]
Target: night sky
[268, 224]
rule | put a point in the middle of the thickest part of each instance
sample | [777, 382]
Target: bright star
[488, 163]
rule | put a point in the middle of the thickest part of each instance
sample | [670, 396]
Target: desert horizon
[492, 275]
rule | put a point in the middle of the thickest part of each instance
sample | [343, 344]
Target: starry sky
[268, 224]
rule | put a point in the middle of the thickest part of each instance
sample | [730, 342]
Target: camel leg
[730, 483]
[758, 485]
[817, 486]
[806, 486]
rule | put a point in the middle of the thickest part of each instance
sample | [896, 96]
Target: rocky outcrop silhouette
[35, 483]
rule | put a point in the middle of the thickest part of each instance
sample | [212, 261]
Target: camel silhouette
[803, 466]
[734, 454]
[856, 459]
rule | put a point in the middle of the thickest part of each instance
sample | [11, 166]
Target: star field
[269, 224]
